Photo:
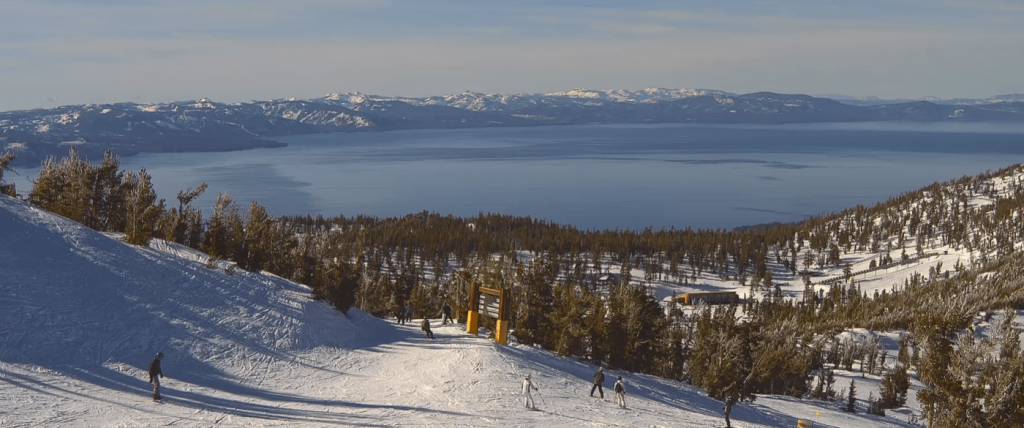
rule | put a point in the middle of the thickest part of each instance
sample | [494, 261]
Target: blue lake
[595, 176]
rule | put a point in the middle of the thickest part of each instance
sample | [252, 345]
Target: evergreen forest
[587, 294]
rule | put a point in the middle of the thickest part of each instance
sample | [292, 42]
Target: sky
[61, 52]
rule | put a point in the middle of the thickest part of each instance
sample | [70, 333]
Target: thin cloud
[991, 5]
[639, 29]
[284, 49]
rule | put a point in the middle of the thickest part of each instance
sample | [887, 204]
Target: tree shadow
[141, 392]
[669, 393]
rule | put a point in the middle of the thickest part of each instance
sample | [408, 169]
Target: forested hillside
[950, 252]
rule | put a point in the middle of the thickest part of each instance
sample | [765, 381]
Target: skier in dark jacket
[620, 392]
[155, 373]
[447, 311]
[425, 326]
[598, 381]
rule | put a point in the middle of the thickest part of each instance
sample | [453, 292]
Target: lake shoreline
[591, 176]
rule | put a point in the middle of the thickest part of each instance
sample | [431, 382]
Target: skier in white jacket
[527, 385]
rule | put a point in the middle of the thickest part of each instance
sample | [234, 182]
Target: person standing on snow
[447, 311]
[527, 386]
[400, 314]
[425, 326]
[408, 312]
[620, 392]
[155, 373]
[598, 382]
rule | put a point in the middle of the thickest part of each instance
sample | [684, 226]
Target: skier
[598, 382]
[155, 373]
[447, 311]
[527, 385]
[620, 392]
[425, 326]
[408, 312]
[400, 314]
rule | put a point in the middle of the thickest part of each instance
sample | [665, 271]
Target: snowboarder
[425, 326]
[598, 382]
[447, 312]
[155, 373]
[620, 392]
[527, 385]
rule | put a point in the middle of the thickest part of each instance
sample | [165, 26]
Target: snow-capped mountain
[475, 101]
[875, 101]
[205, 125]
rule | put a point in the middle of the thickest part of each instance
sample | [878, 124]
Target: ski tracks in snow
[82, 314]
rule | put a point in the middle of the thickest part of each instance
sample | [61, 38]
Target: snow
[69, 118]
[17, 146]
[82, 314]
[869, 281]
[476, 101]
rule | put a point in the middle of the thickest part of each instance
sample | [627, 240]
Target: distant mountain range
[205, 125]
[875, 101]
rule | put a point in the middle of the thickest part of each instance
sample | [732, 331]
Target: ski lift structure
[490, 303]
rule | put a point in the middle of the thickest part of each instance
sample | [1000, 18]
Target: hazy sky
[59, 52]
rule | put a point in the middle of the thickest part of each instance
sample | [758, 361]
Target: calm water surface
[595, 176]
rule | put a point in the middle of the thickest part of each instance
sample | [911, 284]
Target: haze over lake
[595, 176]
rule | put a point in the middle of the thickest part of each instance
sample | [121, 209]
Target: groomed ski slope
[82, 314]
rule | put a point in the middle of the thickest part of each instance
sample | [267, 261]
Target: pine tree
[257, 238]
[141, 208]
[894, 387]
[108, 206]
[851, 397]
[534, 301]
[62, 187]
[721, 359]
[819, 387]
[1009, 336]
[950, 374]
[566, 310]
[184, 224]
[217, 241]
[337, 285]
[875, 406]
[595, 329]
[76, 189]
[830, 380]
[5, 162]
